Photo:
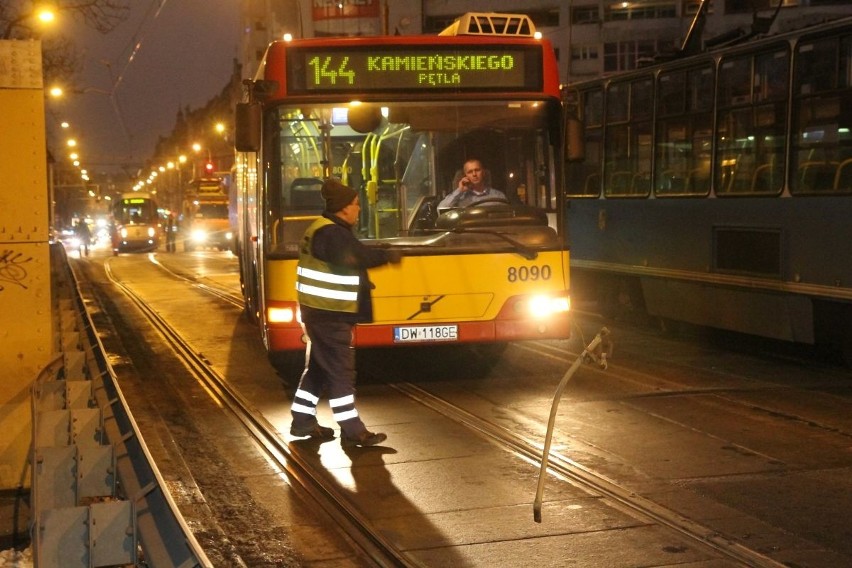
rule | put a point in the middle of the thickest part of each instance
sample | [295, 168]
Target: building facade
[591, 37]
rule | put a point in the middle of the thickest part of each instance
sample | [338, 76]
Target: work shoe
[365, 438]
[315, 431]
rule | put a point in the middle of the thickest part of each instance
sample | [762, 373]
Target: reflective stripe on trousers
[329, 370]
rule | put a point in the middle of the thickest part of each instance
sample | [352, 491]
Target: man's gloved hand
[394, 256]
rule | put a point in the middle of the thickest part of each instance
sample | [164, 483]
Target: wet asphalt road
[752, 446]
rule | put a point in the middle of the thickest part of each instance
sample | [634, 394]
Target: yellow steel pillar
[26, 322]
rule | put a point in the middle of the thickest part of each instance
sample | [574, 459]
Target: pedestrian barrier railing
[97, 498]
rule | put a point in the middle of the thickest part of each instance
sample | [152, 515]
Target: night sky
[169, 54]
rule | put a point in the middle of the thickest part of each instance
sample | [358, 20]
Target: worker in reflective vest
[334, 292]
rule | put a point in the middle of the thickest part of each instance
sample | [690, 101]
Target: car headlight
[123, 233]
[199, 235]
[151, 231]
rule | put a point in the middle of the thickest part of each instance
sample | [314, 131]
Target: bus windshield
[404, 157]
[135, 211]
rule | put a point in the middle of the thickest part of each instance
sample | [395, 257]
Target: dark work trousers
[329, 369]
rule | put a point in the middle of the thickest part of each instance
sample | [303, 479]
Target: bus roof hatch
[491, 23]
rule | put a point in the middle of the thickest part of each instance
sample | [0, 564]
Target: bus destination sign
[390, 68]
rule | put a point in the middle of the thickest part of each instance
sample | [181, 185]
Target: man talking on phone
[471, 188]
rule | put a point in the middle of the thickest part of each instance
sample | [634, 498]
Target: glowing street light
[45, 14]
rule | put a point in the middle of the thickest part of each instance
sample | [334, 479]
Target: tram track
[222, 294]
[301, 474]
[568, 470]
[559, 465]
[340, 511]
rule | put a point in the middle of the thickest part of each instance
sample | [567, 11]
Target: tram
[396, 118]
[717, 188]
[136, 223]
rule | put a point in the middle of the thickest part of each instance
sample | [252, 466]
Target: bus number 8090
[528, 273]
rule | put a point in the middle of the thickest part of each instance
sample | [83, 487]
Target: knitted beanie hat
[336, 195]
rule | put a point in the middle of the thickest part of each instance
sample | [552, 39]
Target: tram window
[822, 146]
[641, 99]
[816, 69]
[735, 82]
[845, 78]
[701, 86]
[593, 108]
[584, 178]
[683, 134]
[670, 94]
[771, 76]
[617, 101]
[627, 170]
[751, 132]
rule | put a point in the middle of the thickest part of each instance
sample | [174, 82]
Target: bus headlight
[199, 235]
[281, 315]
[546, 306]
[229, 235]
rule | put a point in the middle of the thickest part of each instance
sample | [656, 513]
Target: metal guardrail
[98, 498]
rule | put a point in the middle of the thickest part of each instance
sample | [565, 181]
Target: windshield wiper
[519, 247]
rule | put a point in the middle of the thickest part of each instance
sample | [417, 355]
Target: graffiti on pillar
[13, 269]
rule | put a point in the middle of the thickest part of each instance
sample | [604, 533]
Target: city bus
[717, 189]
[396, 118]
[136, 223]
[205, 220]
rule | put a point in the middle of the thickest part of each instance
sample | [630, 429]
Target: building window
[635, 11]
[585, 15]
[690, 7]
[584, 52]
[750, 6]
[544, 18]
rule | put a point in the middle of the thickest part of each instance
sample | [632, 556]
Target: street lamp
[58, 92]
[44, 14]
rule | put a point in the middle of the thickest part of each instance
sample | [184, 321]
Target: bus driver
[471, 188]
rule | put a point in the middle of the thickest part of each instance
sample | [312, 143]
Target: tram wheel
[622, 299]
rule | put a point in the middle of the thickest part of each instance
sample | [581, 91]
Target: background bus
[136, 224]
[396, 118]
[204, 221]
[716, 188]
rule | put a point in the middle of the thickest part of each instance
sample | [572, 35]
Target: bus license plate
[410, 334]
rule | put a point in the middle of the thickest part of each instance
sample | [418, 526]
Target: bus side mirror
[575, 141]
[247, 127]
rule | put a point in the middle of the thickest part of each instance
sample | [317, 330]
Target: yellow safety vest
[321, 286]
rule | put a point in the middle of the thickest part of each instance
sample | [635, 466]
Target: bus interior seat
[641, 183]
[698, 180]
[593, 184]
[767, 178]
[620, 182]
[843, 177]
[305, 194]
[817, 176]
[672, 181]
